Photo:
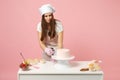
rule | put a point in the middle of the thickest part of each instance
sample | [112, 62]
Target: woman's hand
[49, 51]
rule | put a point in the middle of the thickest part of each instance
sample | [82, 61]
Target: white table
[47, 71]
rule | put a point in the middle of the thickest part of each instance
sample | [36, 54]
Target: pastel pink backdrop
[91, 31]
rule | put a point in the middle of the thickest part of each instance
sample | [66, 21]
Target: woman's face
[48, 17]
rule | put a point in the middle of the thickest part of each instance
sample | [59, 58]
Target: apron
[50, 43]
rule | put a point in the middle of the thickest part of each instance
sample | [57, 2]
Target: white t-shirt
[48, 41]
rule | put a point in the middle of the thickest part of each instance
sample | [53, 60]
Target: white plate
[57, 58]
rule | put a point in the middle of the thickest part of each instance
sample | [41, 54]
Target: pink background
[91, 31]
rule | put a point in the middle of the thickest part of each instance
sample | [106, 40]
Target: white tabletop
[48, 68]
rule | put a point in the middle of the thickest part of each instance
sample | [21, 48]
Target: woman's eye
[46, 16]
[50, 15]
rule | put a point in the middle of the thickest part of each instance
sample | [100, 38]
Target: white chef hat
[46, 9]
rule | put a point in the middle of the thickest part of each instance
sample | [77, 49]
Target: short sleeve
[59, 27]
[39, 29]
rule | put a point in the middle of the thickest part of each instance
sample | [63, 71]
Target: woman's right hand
[49, 51]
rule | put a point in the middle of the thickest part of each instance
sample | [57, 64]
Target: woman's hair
[52, 31]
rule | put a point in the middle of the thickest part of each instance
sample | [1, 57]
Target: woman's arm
[60, 40]
[42, 45]
[49, 51]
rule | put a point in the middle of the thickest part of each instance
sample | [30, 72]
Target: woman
[50, 32]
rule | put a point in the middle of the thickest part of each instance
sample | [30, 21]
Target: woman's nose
[48, 17]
